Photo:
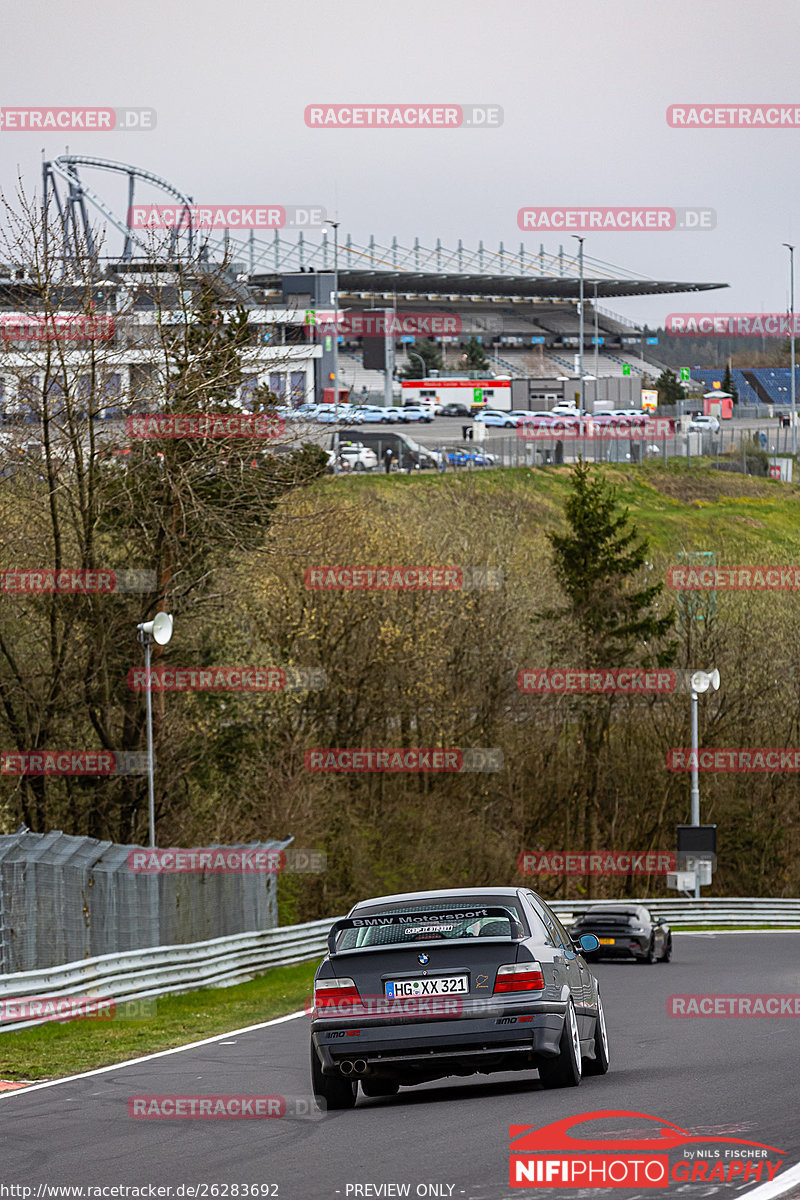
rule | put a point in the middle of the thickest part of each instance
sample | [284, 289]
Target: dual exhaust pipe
[356, 1067]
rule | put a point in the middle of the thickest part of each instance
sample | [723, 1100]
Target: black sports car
[454, 410]
[625, 931]
[423, 985]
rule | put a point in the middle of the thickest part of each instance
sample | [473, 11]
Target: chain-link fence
[749, 451]
[66, 898]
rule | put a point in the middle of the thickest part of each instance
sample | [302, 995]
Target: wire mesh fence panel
[66, 898]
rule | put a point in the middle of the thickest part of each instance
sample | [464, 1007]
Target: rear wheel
[599, 1064]
[379, 1087]
[668, 952]
[650, 957]
[564, 1071]
[330, 1091]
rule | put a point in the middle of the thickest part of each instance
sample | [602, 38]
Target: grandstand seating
[772, 382]
[353, 375]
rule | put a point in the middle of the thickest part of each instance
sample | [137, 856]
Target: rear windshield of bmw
[409, 924]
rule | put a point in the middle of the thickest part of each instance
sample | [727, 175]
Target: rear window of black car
[633, 913]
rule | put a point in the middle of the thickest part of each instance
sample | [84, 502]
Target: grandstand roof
[528, 286]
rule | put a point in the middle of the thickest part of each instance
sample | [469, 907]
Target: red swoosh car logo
[529, 1138]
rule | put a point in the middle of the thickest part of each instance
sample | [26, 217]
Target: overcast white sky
[584, 85]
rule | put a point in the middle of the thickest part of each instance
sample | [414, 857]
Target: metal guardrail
[167, 970]
[681, 911]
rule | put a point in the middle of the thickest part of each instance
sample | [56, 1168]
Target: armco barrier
[711, 910]
[167, 970]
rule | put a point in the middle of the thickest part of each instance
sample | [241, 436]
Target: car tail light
[335, 993]
[519, 977]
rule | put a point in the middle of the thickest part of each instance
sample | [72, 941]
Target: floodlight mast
[700, 682]
[790, 248]
[160, 631]
[580, 241]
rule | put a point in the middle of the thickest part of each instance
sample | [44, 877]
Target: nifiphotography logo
[551, 1157]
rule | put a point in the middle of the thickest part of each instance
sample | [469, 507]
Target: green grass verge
[52, 1050]
[676, 506]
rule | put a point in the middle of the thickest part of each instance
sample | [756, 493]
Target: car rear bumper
[501, 1039]
[628, 947]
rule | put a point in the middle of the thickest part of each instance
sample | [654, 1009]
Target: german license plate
[606, 941]
[441, 985]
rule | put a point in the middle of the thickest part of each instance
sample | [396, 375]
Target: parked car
[458, 457]
[375, 414]
[523, 417]
[568, 413]
[614, 420]
[493, 416]
[625, 931]
[399, 414]
[423, 985]
[413, 412]
[703, 425]
[305, 412]
[354, 456]
[636, 414]
[338, 414]
[454, 410]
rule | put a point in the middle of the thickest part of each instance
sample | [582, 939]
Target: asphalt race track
[720, 1076]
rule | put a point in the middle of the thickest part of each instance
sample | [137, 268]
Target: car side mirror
[587, 942]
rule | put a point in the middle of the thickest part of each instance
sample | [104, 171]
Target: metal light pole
[580, 241]
[695, 792]
[596, 333]
[700, 681]
[791, 340]
[335, 225]
[419, 358]
[158, 630]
